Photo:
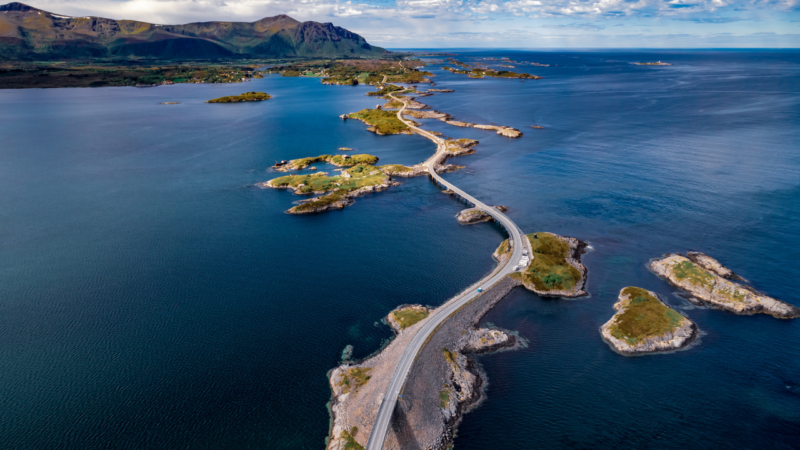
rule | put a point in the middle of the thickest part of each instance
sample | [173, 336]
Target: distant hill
[28, 33]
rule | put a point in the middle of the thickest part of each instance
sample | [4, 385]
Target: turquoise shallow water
[151, 297]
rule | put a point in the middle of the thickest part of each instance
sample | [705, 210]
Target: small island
[554, 269]
[336, 160]
[707, 286]
[381, 122]
[246, 97]
[340, 189]
[470, 216]
[657, 63]
[644, 324]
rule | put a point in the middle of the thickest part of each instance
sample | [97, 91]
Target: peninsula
[246, 97]
[644, 324]
[709, 287]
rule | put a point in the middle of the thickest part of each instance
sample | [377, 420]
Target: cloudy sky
[494, 23]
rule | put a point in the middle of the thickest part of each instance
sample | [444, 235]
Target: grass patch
[687, 270]
[360, 176]
[644, 317]
[396, 168]
[383, 122]
[318, 202]
[342, 81]
[246, 97]
[407, 317]
[386, 90]
[444, 399]
[354, 378]
[504, 248]
[339, 160]
[350, 441]
[410, 77]
[549, 270]
[448, 356]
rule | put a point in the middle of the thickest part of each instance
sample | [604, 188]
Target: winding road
[381, 425]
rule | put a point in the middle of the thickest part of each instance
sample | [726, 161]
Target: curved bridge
[516, 238]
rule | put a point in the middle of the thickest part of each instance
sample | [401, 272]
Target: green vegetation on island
[350, 441]
[354, 71]
[705, 284]
[644, 316]
[337, 160]
[480, 73]
[554, 268]
[382, 122]
[412, 76]
[409, 316]
[644, 324]
[340, 81]
[246, 97]
[341, 189]
[399, 169]
[351, 179]
[388, 89]
[354, 378]
[444, 399]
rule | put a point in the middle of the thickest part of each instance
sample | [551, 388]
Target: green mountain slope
[28, 33]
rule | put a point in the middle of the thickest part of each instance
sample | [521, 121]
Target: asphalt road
[381, 425]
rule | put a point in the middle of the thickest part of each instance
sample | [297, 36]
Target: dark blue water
[152, 298]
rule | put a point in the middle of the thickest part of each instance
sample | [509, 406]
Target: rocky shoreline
[708, 287]
[429, 412]
[679, 333]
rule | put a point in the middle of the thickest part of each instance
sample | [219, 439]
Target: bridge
[518, 242]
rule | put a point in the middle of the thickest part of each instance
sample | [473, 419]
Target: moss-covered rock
[711, 288]
[645, 324]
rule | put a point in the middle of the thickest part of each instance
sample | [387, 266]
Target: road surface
[381, 425]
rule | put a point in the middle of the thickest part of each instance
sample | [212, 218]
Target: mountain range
[28, 33]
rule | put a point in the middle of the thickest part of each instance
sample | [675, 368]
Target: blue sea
[152, 297]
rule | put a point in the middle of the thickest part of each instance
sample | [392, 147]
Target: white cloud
[474, 22]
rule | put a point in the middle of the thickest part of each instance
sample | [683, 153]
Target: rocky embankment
[470, 216]
[428, 412]
[448, 119]
[708, 287]
[500, 129]
[645, 324]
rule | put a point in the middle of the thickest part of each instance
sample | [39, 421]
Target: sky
[493, 23]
